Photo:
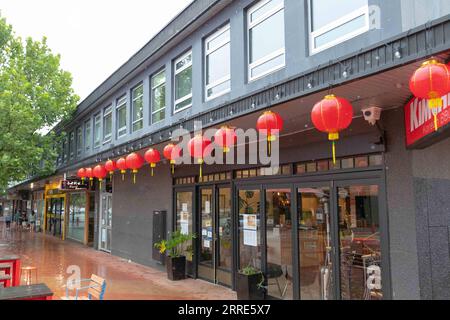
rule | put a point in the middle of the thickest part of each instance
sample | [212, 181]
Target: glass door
[105, 222]
[215, 236]
[358, 207]
[315, 243]
[278, 242]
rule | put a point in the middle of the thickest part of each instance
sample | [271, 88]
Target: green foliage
[174, 246]
[34, 94]
[250, 271]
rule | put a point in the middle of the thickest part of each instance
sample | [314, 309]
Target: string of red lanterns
[134, 162]
[197, 148]
[122, 166]
[110, 166]
[172, 152]
[100, 173]
[269, 124]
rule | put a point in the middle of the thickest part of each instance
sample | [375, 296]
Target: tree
[35, 94]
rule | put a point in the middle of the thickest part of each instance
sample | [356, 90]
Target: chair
[275, 271]
[28, 272]
[5, 274]
[95, 289]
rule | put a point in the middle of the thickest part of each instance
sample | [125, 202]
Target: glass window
[77, 216]
[107, 124]
[183, 82]
[121, 112]
[329, 27]
[72, 145]
[79, 141]
[184, 220]
[249, 229]
[137, 107]
[360, 247]
[266, 38]
[218, 61]
[158, 84]
[87, 135]
[97, 130]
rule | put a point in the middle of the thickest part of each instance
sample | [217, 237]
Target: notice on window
[184, 228]
[250, 238]
[184, 207]
[207, 207]
[207, 244]
[250, 221]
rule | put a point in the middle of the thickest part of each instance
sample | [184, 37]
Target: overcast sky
[94, 37]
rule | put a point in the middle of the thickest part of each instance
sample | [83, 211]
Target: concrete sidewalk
[125, 281]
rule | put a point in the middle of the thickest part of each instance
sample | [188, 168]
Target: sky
[93, 37]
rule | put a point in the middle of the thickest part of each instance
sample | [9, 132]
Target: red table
[15, 261]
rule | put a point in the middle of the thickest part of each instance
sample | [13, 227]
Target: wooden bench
[95, 289]
[34, 292]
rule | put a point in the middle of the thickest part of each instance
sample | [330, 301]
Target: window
[158, 84]
[183, 82]
[79, 141]
[72, 145]
[343, 22]
[97, 130]
[265, 38]
[137, 107]
[107, 124]
[121, 112]
[217, 60]
[87, 135]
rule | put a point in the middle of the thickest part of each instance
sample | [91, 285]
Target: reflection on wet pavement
[125, 281]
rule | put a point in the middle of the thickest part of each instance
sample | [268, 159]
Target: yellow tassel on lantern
[172, 163]
[434, 104]
[226, 149]
[134, 176]
[90, 181]
[123, 174]
[333, 137]
[100, 182]
[152, 165]
[270, 139]
[200, 162]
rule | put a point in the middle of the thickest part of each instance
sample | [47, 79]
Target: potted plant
[250, 284]
[175, 260]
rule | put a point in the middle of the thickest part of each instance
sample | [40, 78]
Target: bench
[32, 292]
[95, 289]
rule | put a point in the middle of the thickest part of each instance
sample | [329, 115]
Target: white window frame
[122, 131]
[107, 112]
[72, 145]
[222, 80]
[97, 119]
[153, 88]
[363, 11]
[176, 72]
[133, 99]
[271, 56]
[87, 139]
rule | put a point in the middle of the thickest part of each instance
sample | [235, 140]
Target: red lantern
[331, 115]
[134, 162]
[81, 174]
[431, 81]
[197, 147]
[122, 166]
[100, 173]
[225, 138]
[90, 175]
[152, 156]
[172, 152]
[269, 124]
[110, 166]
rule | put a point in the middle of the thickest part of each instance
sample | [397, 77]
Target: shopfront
[317, 230]
[38, 208]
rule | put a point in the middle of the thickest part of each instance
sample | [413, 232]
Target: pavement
[125, 280]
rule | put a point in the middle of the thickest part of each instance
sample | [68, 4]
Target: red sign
[419, 122]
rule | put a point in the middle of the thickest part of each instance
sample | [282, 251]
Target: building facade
[317, 229]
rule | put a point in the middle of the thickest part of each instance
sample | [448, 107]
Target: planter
[247, 287]
[176, 268]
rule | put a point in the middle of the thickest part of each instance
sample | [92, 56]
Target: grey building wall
[133, 206]
[418, 12]
[431, 174]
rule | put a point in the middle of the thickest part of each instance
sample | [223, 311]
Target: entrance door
[215, 240]
[105, 222]
[55, 216]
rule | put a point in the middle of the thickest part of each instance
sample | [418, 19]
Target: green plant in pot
[175, 260]
[250, 284]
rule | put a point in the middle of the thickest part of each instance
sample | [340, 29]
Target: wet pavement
[125, 281]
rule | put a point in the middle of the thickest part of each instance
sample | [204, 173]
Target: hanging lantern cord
[100, 181]
[123, 174]
[172, 163]
[134, 176]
